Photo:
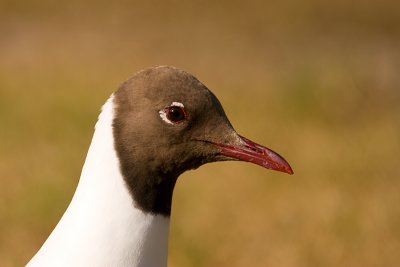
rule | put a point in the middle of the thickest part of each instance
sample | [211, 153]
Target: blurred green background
[318, 81]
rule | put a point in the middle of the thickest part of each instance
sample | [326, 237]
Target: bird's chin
[249, 151]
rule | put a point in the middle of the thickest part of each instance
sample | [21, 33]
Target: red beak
[252, 152]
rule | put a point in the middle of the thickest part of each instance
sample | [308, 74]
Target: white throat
[101, 226]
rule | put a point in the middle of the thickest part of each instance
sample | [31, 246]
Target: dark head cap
[166, 122]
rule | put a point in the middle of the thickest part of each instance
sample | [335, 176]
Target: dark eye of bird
[175, 114]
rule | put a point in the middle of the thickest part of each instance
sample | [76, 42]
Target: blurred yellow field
[317, 81]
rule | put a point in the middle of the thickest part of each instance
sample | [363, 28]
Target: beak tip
[285, 167]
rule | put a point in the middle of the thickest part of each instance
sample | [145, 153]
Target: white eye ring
[163, 112]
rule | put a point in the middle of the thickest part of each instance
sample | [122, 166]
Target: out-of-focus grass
[317, 81]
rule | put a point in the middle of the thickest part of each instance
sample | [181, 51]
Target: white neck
[101, 226]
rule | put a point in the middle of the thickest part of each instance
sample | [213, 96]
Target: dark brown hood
[153, 151]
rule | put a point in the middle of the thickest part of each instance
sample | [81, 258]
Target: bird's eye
[175, 114]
